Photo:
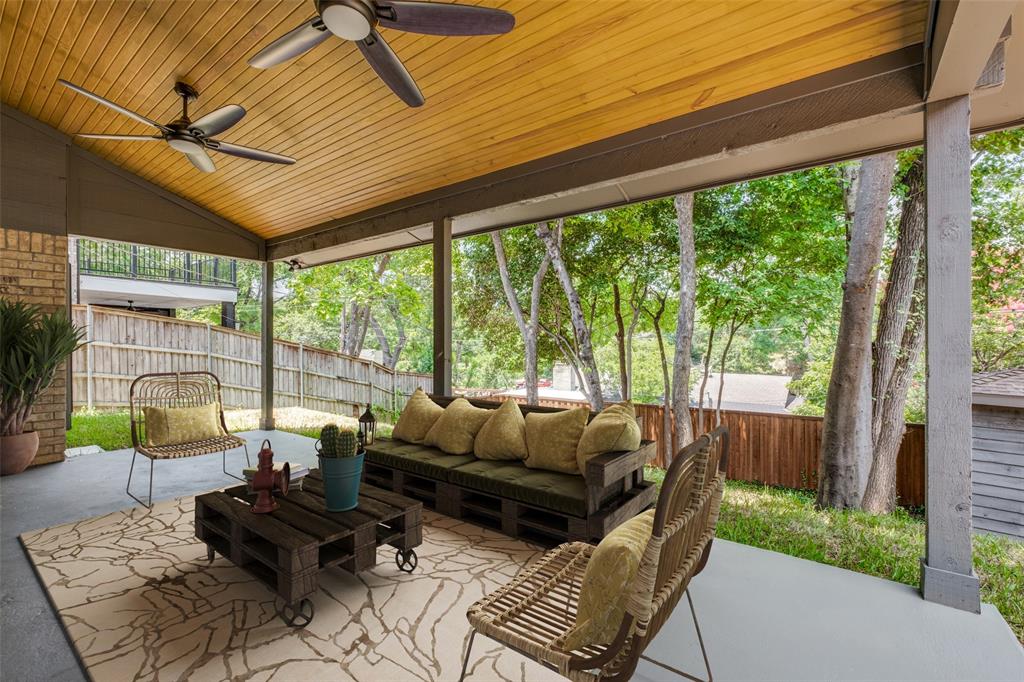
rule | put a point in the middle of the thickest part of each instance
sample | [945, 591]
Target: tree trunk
[734, 324]
[684, 320]
[704, 380]
[636, 302]
[846, 437]
[666, 426]
[553, 244]
[392, 353]
[528, 329]
[898, 343]
[620, 340]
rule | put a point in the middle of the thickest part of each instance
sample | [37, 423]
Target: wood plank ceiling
[571, 72]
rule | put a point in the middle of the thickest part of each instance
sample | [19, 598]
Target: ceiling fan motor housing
[348, 19]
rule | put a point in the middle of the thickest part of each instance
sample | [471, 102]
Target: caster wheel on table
[297, 615]
[406, 560]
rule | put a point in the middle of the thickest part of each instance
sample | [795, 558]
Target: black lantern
[367, 426]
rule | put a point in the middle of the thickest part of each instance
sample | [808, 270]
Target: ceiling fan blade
[100, 136]
[291, 44]
[201, 160]
[107, 103]
[218, 121]
[390, 69]
[248, 152]
[443, 19]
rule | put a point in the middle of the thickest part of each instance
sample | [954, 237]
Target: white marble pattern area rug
[140, 601]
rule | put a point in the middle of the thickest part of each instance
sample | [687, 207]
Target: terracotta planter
[17, 452]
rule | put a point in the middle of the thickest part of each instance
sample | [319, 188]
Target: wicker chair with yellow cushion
[178, 414]
[549, 612]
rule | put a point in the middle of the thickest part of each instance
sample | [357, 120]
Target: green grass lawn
[111, 430]
[888, 546]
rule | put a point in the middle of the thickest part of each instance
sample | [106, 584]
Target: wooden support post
[267, 347]
[947, 574]
[443, 306]
[89, 336]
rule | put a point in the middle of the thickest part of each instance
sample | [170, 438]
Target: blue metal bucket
[341, 481]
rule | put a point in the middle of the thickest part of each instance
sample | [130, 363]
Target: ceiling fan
[357, 21]
[191, 138]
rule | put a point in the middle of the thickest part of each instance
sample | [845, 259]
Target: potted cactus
[341, 465]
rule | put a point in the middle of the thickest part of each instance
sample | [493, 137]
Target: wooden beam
[962, 36]
[947, 574]
[443, 306]
[878, 86]
[267, 349]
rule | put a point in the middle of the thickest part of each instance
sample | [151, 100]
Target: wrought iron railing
[132, 261]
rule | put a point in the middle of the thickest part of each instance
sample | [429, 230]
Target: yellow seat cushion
[614, 430]
[503, 435]
[608, 581]
[552, 439]
[417, 418]
[175, 425]
[456, 428]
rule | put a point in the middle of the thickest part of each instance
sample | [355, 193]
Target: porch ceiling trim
[888, 83]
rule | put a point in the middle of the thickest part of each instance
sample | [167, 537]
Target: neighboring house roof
[1004, 388]
[749, 392]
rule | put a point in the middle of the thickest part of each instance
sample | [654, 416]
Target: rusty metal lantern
[367, 426]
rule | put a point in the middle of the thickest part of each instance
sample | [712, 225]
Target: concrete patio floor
[765, 616]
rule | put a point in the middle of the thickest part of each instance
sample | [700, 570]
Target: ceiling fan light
[346, 21]
[185, 145]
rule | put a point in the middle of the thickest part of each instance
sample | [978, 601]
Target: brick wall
[33, 268]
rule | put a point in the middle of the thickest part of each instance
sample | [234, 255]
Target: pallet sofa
[543, 506]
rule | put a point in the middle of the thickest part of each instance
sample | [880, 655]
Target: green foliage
[32, 345]
[109, 430]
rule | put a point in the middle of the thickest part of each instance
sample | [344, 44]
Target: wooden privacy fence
[122, 345]
[779, 448]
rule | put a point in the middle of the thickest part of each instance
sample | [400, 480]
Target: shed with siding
[998, 452]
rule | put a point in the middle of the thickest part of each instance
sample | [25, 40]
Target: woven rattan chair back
[170, 389]
[681, 537]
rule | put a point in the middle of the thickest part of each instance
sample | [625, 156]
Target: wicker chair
[533, 613]
[176, 389]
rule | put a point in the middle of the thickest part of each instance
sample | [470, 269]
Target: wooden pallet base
[511, 517]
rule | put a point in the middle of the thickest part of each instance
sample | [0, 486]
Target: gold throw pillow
[608, 582]
[174, 425]
[614, 430]
[456, 429]
[417, 417]
[503, 435]
[552, 439]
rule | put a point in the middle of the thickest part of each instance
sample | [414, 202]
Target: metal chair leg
[127, 488]
[224, 463]
[703, 650]
[465, 660]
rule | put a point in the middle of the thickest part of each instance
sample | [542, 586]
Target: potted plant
[32, 345]
[341, 466]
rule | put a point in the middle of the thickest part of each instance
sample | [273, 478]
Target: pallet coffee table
[287, 548]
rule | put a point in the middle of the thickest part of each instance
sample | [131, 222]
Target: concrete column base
[267, 424]
[951, 589]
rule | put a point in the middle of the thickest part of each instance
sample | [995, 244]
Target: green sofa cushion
[414, 459]
[538, 487]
